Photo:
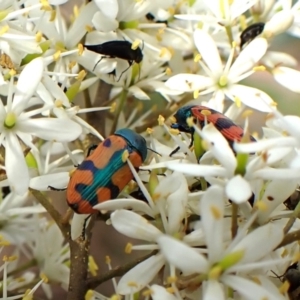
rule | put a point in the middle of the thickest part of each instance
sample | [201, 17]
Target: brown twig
[56, 216]
[290, 238]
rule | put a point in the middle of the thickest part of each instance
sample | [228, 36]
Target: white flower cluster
[213, 211]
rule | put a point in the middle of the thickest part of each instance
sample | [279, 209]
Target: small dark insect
[251, 32]
[292, 275]
[201, 114]
[117, 49]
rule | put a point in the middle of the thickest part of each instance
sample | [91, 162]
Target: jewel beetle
[251, 32]
[200, 114]
[117, 49]
[105, 172]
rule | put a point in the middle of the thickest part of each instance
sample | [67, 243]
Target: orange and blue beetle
[105, 172]
[202, 115]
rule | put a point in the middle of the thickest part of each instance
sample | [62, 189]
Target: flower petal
[139, 276]
[27, 84]
[133, 225]
[60, 130]
[136, 205]
[270, 232]
[172, 249]
[238, 189]
[208, 50]
[16, 168]
[251, 97]
[212, 213]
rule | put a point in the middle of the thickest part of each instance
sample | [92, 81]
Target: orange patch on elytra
[81, 176]
[103, 194]
[122, 177]
[102, 155]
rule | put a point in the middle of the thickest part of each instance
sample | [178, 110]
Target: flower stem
[234, 225]
[123, 97]
[229, 34]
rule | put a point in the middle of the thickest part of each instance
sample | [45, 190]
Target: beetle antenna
[98, 63]
[154, 151]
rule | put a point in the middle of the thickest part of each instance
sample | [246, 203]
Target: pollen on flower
[107, 260]
[147, 293]
[170, 290]
[81, 75]
[12, 72]
[260, 205]
[256, 280]
[161, 120]
[259, 68]
[283, 289]
[45, 5]
[132, 284]
[168, 71]
[28, 295]
[205, 112]
[38, 36]
[89, 28]
[58, 103]
[115, 297]
[89, 295]
[80, 49]
[135, 44]
[163, 52]
[56, 55]
[93, 267]
[196, 94]
[125, 155]
[172, 279]
[247, 113]
[75, 11]
[159, 34]
[128, 248]
[149, 130]
[4, 29]
[237, 101]
[113, 107]
[217, 214]
[233, 44]
[243, 23]
[44, 277]
[197, 57]
[52, 15]
[174, 131]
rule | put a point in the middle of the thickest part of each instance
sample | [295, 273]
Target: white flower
[225, 265]
[223, 81]
[51, 253]
[16, 123]
[17, 223]
[169, 206]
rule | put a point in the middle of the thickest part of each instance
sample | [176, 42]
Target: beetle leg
[55, 189]
[174, 151]
[130, 64]
[84, 227]
[99, 61]
[91, 148]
